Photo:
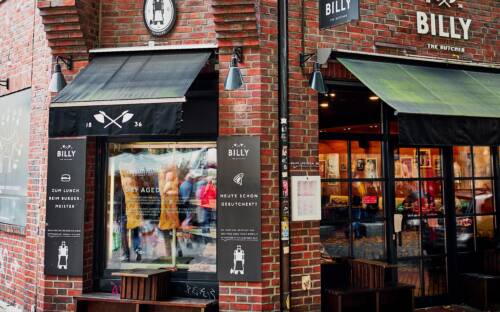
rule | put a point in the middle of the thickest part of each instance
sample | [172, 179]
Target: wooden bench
[481, 289]
[364, 285]
[105, 302]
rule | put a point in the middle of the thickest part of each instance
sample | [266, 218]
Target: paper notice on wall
[398, 222]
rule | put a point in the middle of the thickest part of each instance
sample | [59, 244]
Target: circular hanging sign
[159, 16]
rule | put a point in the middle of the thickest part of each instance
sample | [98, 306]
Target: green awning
[435, 105]
[429, 90]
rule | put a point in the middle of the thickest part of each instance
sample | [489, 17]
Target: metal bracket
[5, 83]
[68, 61]
[238, 54]
[304, 57]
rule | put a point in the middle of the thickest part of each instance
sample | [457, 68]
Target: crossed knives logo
[103, 118]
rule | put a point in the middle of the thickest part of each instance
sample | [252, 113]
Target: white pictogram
[62, 256]
[238, 179]
[447, 3]
[66, 177]
[238, 261]
[102, 116]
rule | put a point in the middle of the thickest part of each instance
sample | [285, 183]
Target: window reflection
[161, 206]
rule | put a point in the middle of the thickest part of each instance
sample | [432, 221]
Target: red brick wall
[394, 22]
[123, 26]
[19, 62]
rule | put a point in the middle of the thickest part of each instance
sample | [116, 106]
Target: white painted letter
[453, 34]
[328, 10]
[433, 24]
[348, 4]
[442, 33]
[465, 27]
[422, 26]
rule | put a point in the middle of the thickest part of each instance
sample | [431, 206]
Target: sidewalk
[450, 308]
[4, 307]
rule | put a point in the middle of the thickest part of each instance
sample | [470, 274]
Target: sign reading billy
[336, 12]
[65, 207]
[238, 207]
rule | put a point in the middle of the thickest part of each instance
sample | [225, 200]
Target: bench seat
[106, 302]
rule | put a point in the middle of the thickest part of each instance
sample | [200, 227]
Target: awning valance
[435, 105]
[121, 94]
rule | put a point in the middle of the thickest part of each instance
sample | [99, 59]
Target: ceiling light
[324, 104]
[332, 94]
[374, 98]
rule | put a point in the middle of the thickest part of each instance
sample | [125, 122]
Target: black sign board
[65, 207]
[164, 118]
[238, 209]
[336, 12]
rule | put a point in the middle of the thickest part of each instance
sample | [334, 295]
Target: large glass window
[161, 200]
[474, 197]
[419, 221]
[352, 222]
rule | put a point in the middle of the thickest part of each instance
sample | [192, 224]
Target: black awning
[435, 105]
[114, 120]
[164, 77]
[127, 94]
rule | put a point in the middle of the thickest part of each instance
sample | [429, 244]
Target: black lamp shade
[57, 83]
[234, 79]
[316, 82]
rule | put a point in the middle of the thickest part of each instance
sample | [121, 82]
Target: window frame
[349, 181]
[182, 280]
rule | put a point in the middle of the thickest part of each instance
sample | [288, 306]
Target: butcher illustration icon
[158, 10]
[238, 261]
[62, 256]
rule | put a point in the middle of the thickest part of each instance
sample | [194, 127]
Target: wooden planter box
[142, 284]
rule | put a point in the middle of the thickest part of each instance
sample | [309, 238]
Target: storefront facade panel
[354, 192]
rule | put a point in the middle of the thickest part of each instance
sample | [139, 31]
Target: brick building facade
[34, 33]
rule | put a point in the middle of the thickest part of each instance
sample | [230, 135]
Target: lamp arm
[304, 57]
[68, 61]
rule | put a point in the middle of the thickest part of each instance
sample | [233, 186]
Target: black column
[451, 223]
[389, 189]
[496, 170]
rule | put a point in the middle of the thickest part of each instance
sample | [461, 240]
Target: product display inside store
[161, 206]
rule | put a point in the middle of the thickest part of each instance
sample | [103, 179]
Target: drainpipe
[283, 156]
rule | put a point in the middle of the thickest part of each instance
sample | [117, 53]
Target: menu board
[239, 209]
[65, 207]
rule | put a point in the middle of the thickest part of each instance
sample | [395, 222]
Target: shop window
[419, 221]
[353, 221]
[160, 208]
[14, 149]
[474, 197]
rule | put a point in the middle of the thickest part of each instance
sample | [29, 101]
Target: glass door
[419, 220]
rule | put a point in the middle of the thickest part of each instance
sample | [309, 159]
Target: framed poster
[333, 170]
[406, 167]
[306, 198]
[371, 169]
[425, 158]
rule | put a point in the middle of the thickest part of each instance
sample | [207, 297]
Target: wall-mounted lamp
[57, 83]
[5, 83]
[234, 79]
[316, 81]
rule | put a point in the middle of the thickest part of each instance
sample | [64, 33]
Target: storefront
[408, 156]
[153, 118]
